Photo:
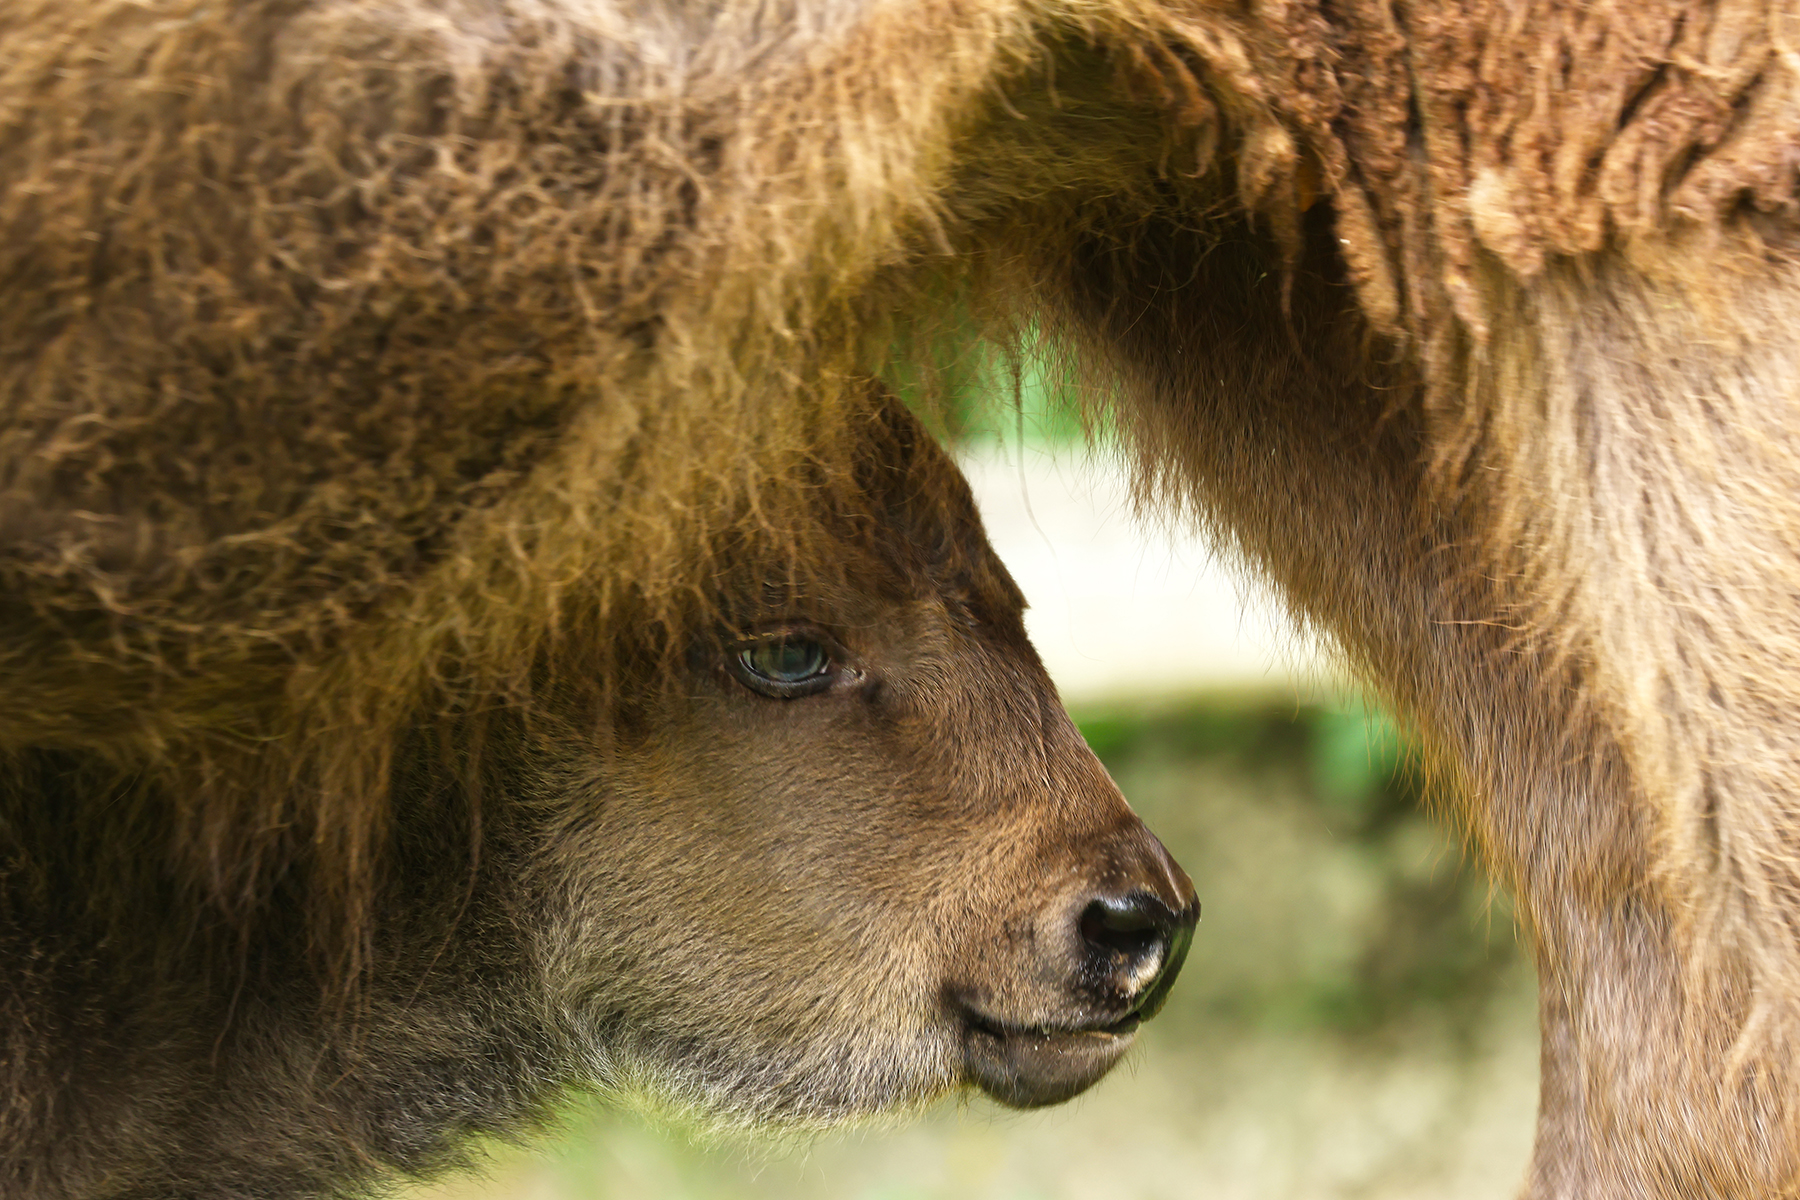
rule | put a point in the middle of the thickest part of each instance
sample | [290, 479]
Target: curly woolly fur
[359, 360]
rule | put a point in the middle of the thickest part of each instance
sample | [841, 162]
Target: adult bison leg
[1254, 394]
[1559, 1160]
[1643, 446]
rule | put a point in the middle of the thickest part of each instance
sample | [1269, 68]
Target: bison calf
[827, 848]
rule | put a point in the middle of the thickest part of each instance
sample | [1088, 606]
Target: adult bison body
[399, 400]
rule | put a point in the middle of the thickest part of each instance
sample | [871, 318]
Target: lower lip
[1030, 1068]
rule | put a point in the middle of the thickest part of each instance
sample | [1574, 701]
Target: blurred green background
[1356, 1018]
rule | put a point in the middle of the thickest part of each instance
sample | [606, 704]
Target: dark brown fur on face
[359, 362]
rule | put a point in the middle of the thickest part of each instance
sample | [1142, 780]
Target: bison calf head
[849, 852]
[815, 843]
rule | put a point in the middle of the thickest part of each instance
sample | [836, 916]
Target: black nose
[1134, 946]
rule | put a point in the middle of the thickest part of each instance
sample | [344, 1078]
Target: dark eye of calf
[784, 667]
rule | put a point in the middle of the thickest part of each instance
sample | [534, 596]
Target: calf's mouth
[1128, 964]
[1030, 1068]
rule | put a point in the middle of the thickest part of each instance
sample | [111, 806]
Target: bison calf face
[856, 863]
[856, 857]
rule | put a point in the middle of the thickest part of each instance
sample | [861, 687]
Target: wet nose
[1134, 944]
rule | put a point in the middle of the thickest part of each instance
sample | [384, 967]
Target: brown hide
[1467, 324]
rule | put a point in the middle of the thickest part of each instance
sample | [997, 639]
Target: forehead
[912, 597]
[929, 560]
[895, 525]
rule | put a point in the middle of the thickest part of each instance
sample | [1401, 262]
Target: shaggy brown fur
[760, 910]
[414, 342]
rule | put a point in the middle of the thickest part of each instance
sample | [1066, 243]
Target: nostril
[1135, 946]
[1127, 941]
[1129, 928]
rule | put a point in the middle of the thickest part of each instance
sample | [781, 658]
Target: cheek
[726, 866]
[818, 829]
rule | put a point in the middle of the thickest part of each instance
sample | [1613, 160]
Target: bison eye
[784, 667]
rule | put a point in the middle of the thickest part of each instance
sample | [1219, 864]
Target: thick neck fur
[183, 1054]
